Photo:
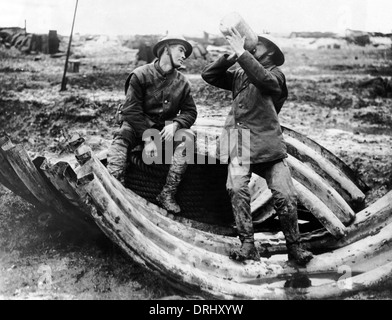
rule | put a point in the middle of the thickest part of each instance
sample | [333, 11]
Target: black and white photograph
[195, 154]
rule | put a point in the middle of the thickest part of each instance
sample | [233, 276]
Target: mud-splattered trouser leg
[237, 187]
[238, 190]
[174, 176]
[280, 183]
[124, 139]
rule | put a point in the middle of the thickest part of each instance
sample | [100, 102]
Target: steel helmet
[170, 40]
[269, 42]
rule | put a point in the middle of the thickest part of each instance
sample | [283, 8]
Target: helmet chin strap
[170, 56]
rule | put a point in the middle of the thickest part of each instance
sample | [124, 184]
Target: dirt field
[334, 98]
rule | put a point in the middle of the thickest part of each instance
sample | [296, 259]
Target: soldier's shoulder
[181, 76]
[142, 69]
[278, 72]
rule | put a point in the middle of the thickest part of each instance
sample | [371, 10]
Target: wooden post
[74, 65]
[64, 81]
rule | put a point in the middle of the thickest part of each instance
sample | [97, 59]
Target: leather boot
[289, 225]
[298, 254]
[247, 251]
[117, 158]
[176, 172]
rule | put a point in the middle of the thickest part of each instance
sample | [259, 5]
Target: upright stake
[64, 81]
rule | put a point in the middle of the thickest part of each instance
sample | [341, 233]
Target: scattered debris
[29, 42]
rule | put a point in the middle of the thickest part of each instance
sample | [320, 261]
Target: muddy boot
[289, 224]
[166, 197]
[247, 251]
[299, 255]
[117, 158]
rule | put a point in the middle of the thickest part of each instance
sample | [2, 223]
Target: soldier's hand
[169, 130]
[236, 41]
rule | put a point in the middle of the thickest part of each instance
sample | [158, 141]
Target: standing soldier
[259, 91]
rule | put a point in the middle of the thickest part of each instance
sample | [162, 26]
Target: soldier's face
[178, 54]
[261, 50]
[264, 55]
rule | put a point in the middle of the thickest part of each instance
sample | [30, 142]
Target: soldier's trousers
[278, 177]
[125, 139]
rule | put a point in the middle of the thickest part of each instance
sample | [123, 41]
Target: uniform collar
[161, 72]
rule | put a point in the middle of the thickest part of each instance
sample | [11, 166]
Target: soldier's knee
[125, 133]
[236, 189]
[284, 200]
[119, 142]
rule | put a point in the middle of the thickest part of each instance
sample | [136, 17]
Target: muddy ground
[340, 98]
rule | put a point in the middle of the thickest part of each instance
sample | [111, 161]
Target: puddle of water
[301, 279]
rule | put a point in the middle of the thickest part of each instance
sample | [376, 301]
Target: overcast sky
[192, 17]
